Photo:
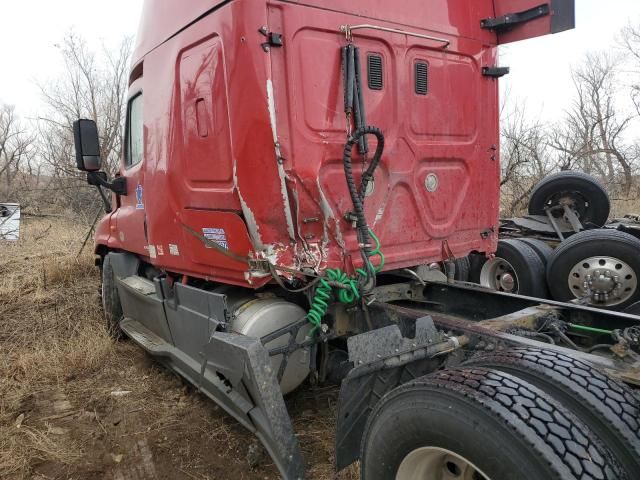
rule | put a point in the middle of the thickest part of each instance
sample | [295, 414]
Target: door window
[135, 132]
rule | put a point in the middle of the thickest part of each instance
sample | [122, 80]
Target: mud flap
[246, 367]
[383, 359]
[235, 372]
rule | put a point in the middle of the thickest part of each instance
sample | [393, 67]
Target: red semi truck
[294, 175]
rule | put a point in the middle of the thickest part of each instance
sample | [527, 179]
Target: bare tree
[93, 86]
[592, 137]
[16, 150]
[525, 157]
[630, 40]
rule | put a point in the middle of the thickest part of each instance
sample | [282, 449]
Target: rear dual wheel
[607, 407]
[479, 424]
[518, 267]
[602, 267]
[462, 268]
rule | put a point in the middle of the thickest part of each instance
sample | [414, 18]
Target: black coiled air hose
[357, 197]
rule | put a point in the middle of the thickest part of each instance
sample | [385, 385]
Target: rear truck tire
[481, 424]
[543, 249]
[463, 268]
[476, 261]
[516, 268]
[601, 266]
[586, 195]
[607, 407]
[111, 300]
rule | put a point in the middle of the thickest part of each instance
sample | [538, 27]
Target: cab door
[130, 223]
[516, 20]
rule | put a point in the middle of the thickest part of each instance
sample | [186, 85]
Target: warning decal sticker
[139, 200]
[216, 235]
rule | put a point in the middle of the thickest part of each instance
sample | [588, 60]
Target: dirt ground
[74, 405]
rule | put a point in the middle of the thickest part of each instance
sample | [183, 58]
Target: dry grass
[621, 207]
[49, 332]
[58, 418]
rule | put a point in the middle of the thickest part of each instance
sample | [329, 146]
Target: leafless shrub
[594, 136]
[525, 157]
[37, 159]
[16, 153]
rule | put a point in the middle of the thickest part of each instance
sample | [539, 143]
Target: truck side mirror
[85, 135]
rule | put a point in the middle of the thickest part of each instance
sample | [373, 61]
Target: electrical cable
[564, 337]
[589, 329]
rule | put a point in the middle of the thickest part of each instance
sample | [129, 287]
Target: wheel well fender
[124, 264]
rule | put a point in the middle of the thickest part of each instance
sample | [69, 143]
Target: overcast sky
[540, 68]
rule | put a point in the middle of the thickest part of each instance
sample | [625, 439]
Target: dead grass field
[74, 405]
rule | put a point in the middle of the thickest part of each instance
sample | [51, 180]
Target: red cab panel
[236, 128]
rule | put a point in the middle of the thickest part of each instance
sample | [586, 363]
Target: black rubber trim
[111, 301]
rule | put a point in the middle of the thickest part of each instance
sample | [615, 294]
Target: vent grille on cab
[374, 71]
[422, 78]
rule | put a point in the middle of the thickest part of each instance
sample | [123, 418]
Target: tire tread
[613, 405]
[548, 429]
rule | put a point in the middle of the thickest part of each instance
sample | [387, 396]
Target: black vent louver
[422, 78]
[374, 71]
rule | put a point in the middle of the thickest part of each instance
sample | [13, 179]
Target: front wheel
[478, 424]
[111, 300]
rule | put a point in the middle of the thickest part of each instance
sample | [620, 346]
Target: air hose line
[367, 282]
[354, 288]
[323, 293]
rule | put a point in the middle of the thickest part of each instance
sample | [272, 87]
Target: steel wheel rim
[498, 274]
[434, 463]
[574, 200]
[605, 281]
